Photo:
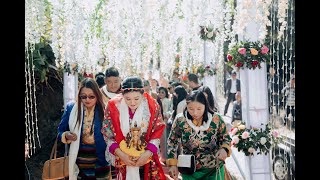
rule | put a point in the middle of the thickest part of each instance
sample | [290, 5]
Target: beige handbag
[56, 168]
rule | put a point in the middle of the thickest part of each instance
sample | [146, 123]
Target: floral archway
[139, 37]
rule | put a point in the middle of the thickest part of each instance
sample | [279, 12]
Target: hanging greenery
[42, 58]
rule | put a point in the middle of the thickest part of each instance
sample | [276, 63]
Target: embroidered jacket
[204, 144]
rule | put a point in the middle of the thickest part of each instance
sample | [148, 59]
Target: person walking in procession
[112, 84]
[80, 127]
[201, 133]
[232, 87]
[132, 130]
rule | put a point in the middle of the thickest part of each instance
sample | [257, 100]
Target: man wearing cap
[232, 87]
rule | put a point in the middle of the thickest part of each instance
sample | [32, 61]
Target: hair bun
[132, 82]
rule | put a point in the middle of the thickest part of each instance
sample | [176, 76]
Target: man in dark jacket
[232, 87]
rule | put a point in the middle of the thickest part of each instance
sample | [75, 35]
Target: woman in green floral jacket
[200, 132]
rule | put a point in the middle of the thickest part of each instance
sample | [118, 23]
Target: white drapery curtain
[254, 96]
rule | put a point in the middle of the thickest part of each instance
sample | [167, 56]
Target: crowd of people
[127, 129]
[131, 128]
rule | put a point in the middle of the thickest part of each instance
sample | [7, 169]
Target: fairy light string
[35, 108]
[26, 115]
[29, 111]
[32, 147]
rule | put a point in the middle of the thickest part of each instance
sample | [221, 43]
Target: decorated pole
[254, 99]
[70, 87]
[208, 79]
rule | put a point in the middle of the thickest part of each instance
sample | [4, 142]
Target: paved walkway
[230, 161]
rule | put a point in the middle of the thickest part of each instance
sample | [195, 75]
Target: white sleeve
[109, 156]
[181, 107]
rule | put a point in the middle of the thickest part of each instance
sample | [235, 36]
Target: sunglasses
[85, 97]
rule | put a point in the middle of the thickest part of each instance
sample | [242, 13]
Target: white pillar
[209, 81]
[255, 112]
[254, 99]
[70, 87]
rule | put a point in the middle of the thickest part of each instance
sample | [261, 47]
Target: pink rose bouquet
[248, 55]
[251, 140]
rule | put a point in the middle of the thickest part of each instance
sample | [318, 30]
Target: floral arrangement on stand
[207, 33]
[248, 54]
[206, 70]
[250, 140]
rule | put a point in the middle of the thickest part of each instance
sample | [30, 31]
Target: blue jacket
[98, 137]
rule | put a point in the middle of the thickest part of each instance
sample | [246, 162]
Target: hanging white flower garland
[282, 14]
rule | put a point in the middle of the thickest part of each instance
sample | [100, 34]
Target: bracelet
[171, 162]
[228, 149]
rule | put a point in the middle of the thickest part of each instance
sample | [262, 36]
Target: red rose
[229, 57]
[254, 63]
[239, 64]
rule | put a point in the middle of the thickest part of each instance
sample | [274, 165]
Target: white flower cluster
[130, 34]
[282, 14]
[262, 16]
[243, 16]
[34, 21]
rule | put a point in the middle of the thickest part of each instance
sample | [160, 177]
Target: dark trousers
[231, 98]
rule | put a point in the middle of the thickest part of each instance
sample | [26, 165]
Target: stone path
[230, 161]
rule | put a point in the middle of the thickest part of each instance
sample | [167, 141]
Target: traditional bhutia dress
[202, 141]
[88, 163]
[118, 123]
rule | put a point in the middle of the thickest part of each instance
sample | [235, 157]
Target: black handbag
[186, 164]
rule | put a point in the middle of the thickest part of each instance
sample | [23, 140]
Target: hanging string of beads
[31, 119]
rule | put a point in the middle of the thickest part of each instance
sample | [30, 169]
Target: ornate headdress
[132, 84]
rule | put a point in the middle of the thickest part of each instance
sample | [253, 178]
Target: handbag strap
[66, 150]
[54, 150]
[54, 153]
[218, 173]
